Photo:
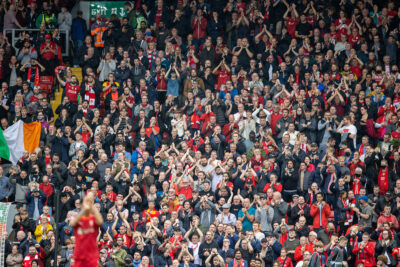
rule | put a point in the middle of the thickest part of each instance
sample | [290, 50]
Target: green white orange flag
[18, 138]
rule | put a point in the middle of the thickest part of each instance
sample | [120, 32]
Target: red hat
[192, 47]
[47, 36]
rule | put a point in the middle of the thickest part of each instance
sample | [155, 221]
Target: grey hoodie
[265, 218]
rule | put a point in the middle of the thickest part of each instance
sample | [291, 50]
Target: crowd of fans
[213, 133]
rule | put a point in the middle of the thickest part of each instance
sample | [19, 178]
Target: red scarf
[235, 262]
[301, 207]
[383, 180]
[90, 95]
[36, 81]
[356, 185]
[282, 238]
[151, 57]
[349, 215]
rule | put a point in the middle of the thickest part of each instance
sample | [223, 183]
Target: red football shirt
[72, 91]
[86, 252]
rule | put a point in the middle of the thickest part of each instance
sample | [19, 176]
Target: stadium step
[57, 101]
[78, 73]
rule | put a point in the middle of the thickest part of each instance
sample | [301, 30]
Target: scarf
[235, 262]
[361, 149]
[318, 257]
[195, 119]
[48, 217]
[356, 185]
[303, 147]
[253, 182]
[37, 79]
[349, 217]
[90, 95]
[282, 238]
[151, 57]
[301, 207]
[311, 198]
[383, 180]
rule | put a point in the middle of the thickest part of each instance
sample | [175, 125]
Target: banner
[4, 207]
[107, 8]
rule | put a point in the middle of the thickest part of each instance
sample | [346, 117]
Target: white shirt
[195, 248]
[350, 129]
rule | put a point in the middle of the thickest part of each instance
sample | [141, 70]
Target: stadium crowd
[213, 133]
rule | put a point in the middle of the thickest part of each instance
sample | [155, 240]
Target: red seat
[46, 84]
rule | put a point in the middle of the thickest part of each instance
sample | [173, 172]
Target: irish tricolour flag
[18, 138]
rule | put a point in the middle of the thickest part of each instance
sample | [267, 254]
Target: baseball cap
[226, 206]
[365, 198]
[47, 36]
[103, 251]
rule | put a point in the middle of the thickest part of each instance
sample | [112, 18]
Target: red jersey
[311, 20]
[291, 26]
[127, 239]
[285, 262]
[223, 77]
[72, 91]
[86, 252]
[274, 119]
[354, 39]
[48, 55]
[188, 191]
[153, 213]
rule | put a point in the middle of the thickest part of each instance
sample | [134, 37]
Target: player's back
[85, 234]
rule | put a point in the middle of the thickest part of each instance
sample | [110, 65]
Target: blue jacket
[61, 147]
[6, 188]
[79, 29]
[31, 202]
[232, 239]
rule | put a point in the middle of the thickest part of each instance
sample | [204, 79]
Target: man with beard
[35, 253]
[206, 247]
[72, 88]
[158, 167]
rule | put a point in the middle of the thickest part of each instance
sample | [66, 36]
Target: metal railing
[15, 38]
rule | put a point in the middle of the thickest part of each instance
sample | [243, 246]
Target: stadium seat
[46, 85]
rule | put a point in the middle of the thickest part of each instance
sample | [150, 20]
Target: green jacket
[138, 20]
[119, 258]
[51, 21]
[131, 17]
